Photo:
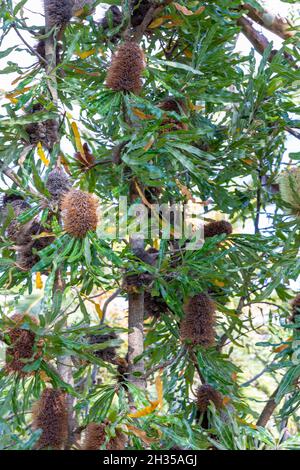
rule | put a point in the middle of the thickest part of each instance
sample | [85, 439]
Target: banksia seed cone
[51, 416]
[79, 211]
[154, 306]
[107, 354]
[41, 49]
[9, 198]
[217, 228]
[26, 259]
[58, 183]
[21, 349]
[135, 283]
[118, 442]
[198, 324]
[124, 73]
[58, 12]
[94, 436]
[207, 394]
[113, 17]
[87, 160]
[45, 132]
[172, 105]
[295, 304]
[289, 185]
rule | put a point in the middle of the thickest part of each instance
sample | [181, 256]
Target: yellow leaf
[195, 107]
[38, 281]
[43, 235]
[44, 376]
[281, 348]
[141, 115]
[174, 23]
[226, 400]
[188, 53]
[78, 142]
[243, 421]
[86, 54]
[12, 100]
[17, 92]
[156, 23]
[149, 144]
[141, 434]
[42, 155]
[249, 161]
[218, 283]
[159, 390]
[99, 311]
[156, 244]
[145, 411]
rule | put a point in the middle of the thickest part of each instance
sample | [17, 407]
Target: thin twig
[33, 51]
[166, 364]
[107, 302]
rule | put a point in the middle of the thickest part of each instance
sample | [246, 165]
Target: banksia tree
[121, 125]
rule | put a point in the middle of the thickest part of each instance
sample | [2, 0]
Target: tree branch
[259, 40]
[268, 410]
[274, 23]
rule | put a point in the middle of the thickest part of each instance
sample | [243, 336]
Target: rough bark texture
[136, 330]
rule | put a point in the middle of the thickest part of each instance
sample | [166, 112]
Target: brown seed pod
[20, 352]
[124, 73]
[217, 228]
[207, 394]
[198, 324]
[40, 48]
[79, 213]
[295, 307]
[139, 11]
[51, 416]
[108, 354]
[58, 183]
[94, 436]
[58, 12]
[113, 17]
[154, 306]
[87, 160]
[178, 106]
[26, 259]
[134, 283]
[118, 442]
[45, 131]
